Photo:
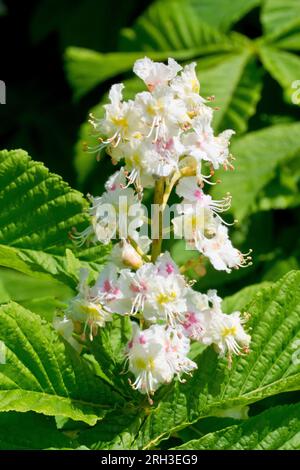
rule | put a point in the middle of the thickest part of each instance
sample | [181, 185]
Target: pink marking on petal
[130, 344]
[107, 286]
[169, 268]
[198, 194]
[142, 339]
[169, 144]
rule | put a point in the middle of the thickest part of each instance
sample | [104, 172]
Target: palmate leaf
[276, 429]
[174, 25]
[236, 83]
[186, 36]
[267, 370]
[45, 375]
[281, 23]
[222, 14]
[30, 431]
[278, 15]
[284, 68]
[258, 154]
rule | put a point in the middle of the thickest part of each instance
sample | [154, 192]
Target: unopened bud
[130, 256]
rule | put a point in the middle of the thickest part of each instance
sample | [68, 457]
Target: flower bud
[130, 256]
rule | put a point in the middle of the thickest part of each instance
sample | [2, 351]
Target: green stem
[158, 200]
[138, 250]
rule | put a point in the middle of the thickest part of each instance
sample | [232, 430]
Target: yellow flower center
[90, 311]
[119, 121]
[165, 298]
[229, 331]
[142, 364]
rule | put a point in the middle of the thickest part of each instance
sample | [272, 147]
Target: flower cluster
[172, 313]
[164, 133]
[162, 129]
[165, 138]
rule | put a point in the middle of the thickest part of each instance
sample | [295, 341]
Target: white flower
[155, 355]
[162, 156]
[156, 291]
[220, 251]
[232, 336]
[166, 266]
[120, 119]
[135, 288]
[206, 323]
[189, 189]
[155, 73]
[203, 145]
[178, 346]
[117, 181]
[195, 220]
[166, 299]
[147, 359]
[161, 113]
[117, 212]
[106, 287]
[88, 307]
[186, 86]
[65, 327]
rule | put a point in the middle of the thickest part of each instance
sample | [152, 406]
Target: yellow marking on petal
[165, 298]
[195, 85]
[229, 331]
[122, 122]
[90, 311]
[142, 364]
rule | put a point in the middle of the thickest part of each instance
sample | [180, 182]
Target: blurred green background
[59, 58]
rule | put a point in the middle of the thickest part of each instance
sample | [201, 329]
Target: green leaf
[278, 15]
[284, 68]
[86, 69]
[174, 25]
[185, 36]
[38, 207]
[267, 370]
[236, 83]
[276, 429]
[115, 432]
[108, 349]
[205, 426]
[30, 431]
[283, 191]
[42, 296]
[223, 14]
[45, 375]
[240, 300]
[39, 210]
[258, 154]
